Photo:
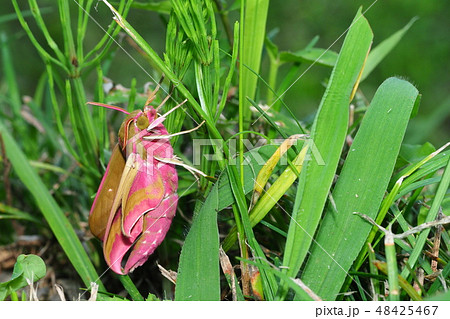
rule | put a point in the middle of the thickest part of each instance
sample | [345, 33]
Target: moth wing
[155, 226]
[116, 244]
[141, 191]
[107, 191]
[144, 194]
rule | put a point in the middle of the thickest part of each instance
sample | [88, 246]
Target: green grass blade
[269, 283]
[50, 41]
[10, 76]
[198, 271]
[432, 215]
[163, 7]
[58, 116]
[253, 24]
[227, 84]
[254, 160]
[360, 187]
[401, 281]
[8, 212]
[130, 287]
[66, 27]
[392, 268]
[270, 198]
[328, 134]
[317, 56]
[197, 267]
[45, 55]
[398, 189]
[55, 217]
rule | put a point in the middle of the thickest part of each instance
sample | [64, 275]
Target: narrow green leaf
[50, 41]
[402, 282]
[392, 268]
[360, 187]
[328, 133]
[130, 287]
[270, 197]
[318, 56]
[44, 54]
[7, 212]
[253, 24]
[191, 15]
[163, 7]
[269, 282]
[254, 160]
[432, 214]
[55, 217]
[228, 80]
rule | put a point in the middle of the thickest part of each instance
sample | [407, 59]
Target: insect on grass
[137, 197]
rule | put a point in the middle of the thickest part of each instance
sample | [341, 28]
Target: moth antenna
[161, 118]
[165, 100]
[112, 107]
[152, 95]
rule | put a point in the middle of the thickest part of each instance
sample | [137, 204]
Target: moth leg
[158, 137]
[152, 94]
[176, 161]
[170, 111]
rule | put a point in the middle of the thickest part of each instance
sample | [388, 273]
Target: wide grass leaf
[360, 187]
[328, 133]
[198, 272]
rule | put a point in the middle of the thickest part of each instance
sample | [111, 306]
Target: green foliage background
[422, 55]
